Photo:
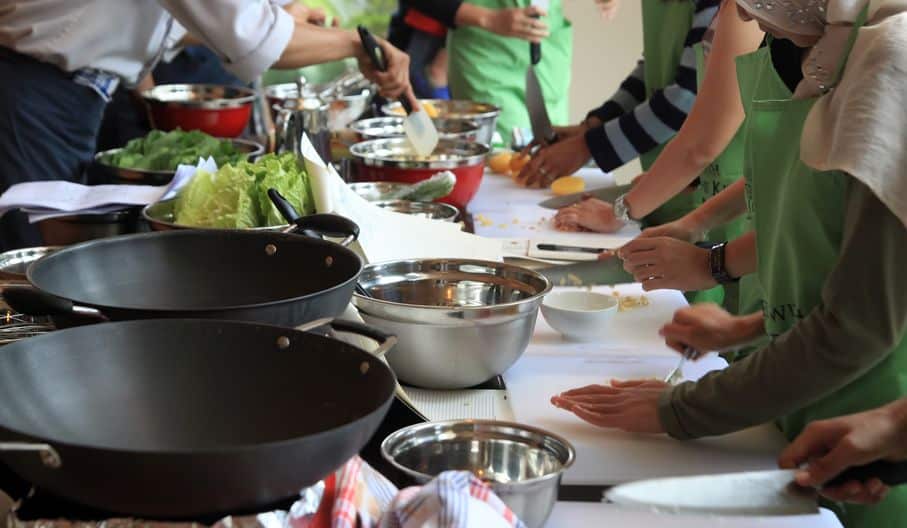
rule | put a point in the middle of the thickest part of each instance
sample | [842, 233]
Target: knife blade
[607, 194]
[771, 492]
[570, 249]
[603, 272]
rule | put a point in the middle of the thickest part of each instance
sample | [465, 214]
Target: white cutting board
[573, 514]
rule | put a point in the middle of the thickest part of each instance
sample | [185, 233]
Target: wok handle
[326, 224]
[286, 209]
[32, 301]
[49, 456]
[385, 341]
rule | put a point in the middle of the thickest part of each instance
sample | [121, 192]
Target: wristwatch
[622, 212]
[716, 264]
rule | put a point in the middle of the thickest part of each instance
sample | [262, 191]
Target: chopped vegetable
[568, 185]
[165, 150]
[236, 196]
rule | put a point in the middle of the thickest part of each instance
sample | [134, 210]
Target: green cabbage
[236, 196]
[165, 150]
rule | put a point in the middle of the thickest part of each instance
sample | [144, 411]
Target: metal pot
[430, 210]
[304, 116]
[459, 322]
[394, 160]
[347, 97]
[484, 115]
[66, 230]
[161, 177]
[15, 262]
[221, 111]
[392, 127]
[522, 464]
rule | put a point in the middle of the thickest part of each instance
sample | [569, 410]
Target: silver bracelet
[622, 212]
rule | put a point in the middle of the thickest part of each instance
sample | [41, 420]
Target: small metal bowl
[430, 210]
[15, 262]
[160, 217]
[376, 191]
[478, 316]
[162, 177]
[522, 464]
[218, 110]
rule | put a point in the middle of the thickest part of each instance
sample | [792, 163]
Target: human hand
[828, 447]
[521, 22]
[681, 229]
[393, 82]
[667, 263]
[608, 8]
[310, 15]
[550, 163]
[561, 133]
[707, 326]
[628, 405]
[591, 214]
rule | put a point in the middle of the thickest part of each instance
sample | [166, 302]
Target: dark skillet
[184, 418]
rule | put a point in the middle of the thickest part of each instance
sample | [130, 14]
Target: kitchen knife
[603, 272]
[570, 249]
[608, 194]
[535, 99]
[752, 493]
[419, 128]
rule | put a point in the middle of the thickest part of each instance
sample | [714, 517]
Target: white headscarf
[858, 126]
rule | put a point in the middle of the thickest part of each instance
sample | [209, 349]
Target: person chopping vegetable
[490, 67]
[826, 159]
[60, 64]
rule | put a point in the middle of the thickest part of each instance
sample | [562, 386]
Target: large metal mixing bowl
[522, 464]
[459, 322]
[482, 114]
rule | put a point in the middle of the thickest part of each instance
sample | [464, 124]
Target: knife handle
[535, 50]
[372, 49]
[891, 473]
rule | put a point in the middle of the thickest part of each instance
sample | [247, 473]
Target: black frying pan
[268, 277]
[172, 418]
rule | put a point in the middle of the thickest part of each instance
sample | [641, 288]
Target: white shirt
[123, 36]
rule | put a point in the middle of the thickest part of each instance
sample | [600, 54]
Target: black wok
[267, 277]
[175, 418]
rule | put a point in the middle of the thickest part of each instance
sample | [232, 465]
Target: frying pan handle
[326, 224]
[385, 341]
[286, 209]
[49, 456]
[32, 301]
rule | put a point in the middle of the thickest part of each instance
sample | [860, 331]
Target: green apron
[489, 68]
[798, 214]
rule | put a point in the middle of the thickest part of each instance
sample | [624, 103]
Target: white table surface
[582, 514]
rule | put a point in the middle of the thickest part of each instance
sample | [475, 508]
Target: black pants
[48, 126]
[421, 48]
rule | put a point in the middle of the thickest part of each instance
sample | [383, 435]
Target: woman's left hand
[667, 263]
[552, 162]
[628, 405]
[592, 214]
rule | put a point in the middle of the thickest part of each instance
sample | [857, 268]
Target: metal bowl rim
[449, 211]
[490, 109]
[476, 156]
[257, 150]
[477, 425]
[537, 297]
[151, 219]
[153, 95]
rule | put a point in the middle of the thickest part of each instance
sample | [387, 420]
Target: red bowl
[222, 111]
[392, 160]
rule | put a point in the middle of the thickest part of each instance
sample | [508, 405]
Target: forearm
[855, 327]
[717, 210]
[472, 15]
[740, 255]
[314, 45]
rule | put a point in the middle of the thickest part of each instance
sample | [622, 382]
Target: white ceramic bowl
[578, 314]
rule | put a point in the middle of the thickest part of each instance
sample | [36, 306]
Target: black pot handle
[286, 209]
[385, 341]
[32, 301]
[325, 224]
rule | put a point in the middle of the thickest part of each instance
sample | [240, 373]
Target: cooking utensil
[482, 114]
[751, 493]
[535, 100]
[348, 98]
[580, 315]
[73, 229]
[221, 111]
[431, 210]
[13, 263]
[392, 127]
[609, 272]
[570, 249]
[394, 160]
[273, 278]
[307, 116]
[160, 177]
[460, 322]
[607, 194]
[522, 464]
[183, 418]
[420, 131]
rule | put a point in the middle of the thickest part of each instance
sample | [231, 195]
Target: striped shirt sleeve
[634, 125]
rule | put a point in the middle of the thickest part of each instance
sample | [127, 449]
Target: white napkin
[386, 235]
[43, 200]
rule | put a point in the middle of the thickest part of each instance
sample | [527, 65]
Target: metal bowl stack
[483, 115]
[522, 464]
[459, 322]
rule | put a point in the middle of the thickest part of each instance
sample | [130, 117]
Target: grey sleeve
[861, 318]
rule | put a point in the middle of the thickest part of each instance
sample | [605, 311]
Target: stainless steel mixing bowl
[522, 464]
[430, 210]
[459, 322]
[484, 115]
